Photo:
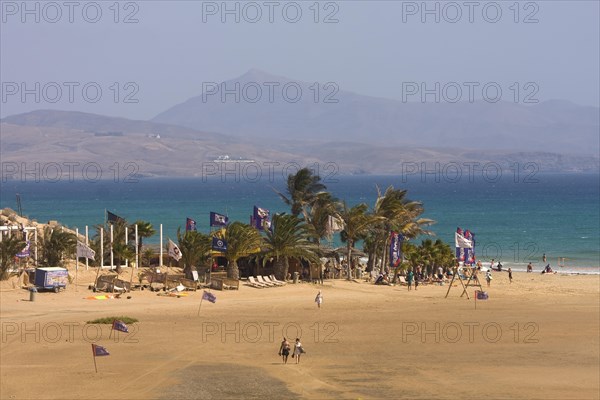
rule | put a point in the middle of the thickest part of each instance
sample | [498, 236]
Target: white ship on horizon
[227, 159]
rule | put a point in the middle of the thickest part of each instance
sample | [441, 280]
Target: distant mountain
[94, 123]
[30, 141]
[552, 126]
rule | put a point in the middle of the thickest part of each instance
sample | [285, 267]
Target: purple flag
[99, 350]
[120, 326]
[209, 296]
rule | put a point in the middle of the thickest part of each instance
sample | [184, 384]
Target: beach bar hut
[51, 278]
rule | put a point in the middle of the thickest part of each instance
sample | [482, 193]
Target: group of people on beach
[286, 347]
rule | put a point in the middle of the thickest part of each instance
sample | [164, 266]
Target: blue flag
[190, 224]
[209, 296]
[120, 326]
[99, 351]
[217, 219]
[110, 217]
[219, 244]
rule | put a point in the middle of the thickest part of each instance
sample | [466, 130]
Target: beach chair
[264, 282]
[256, 284]
[268, 280]
[273, 279]
[402, 281]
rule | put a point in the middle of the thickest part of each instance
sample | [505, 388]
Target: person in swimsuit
[284, 350]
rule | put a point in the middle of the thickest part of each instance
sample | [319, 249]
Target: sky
[136, 59]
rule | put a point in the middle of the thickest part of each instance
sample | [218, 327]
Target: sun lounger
[273, 279]
[268, 280]
[254, 283]
[260, 279]
[402, 280]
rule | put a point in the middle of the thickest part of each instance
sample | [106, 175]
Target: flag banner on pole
[464, 242]
[219, 244]
[26, 252]
[111, 217]
[470, 253]
[120, 326]
[396, 249]
[461, 241]
[99, 351]
[481, 295]
[217, 219]
[209, 297]
[190, 224]
[85, 251]
[261, 218]
[174, 251]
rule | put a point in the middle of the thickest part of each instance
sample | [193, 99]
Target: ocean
[515, 220]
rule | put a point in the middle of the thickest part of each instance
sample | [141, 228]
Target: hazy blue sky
[372, 49]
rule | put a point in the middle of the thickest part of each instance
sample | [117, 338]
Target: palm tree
[55, 244]
[396, 213]
[195, 247]
[444, 256]
[323, 209]
[356, 224]
[242, 240]
[304, 189]
[9, 247]
[289, 238]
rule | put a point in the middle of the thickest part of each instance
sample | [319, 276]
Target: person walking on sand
[417, 277]
[509, 275]
[319, 299]
[297, 350]
[529, 267]
[488, 276]
[284, 350]
[409, 278]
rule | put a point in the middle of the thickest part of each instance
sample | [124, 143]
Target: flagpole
[200, 306]
[87, 265]
[101, 255]
[94, 354]
[137, 253]
[112, 255]
[126, 240]
[161, 247]
[76, 258]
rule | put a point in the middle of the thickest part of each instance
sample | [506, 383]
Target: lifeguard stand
[472, 281]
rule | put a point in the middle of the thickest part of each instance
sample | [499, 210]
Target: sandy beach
[536, 338]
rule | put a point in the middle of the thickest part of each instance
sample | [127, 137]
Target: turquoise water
[517, 222]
